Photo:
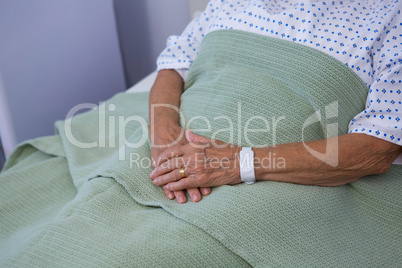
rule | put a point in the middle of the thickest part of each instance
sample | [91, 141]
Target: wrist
[163, 126]
[166, 134]
[163, 117]
[262, 162]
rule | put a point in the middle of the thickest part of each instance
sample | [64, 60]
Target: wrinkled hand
[206, 162]
[173, 136]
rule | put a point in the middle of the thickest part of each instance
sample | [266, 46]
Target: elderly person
[364, 36]
[251, 91]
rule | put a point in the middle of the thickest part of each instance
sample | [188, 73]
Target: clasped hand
[206, 163]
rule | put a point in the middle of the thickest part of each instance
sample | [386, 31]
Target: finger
[164, 179]
[154, 155]
[205, 190]
[168, 166]
[153, 162]
[191, 137]
[194, 194]
[194, 138]
[169, 194]
[169, 153]
[186, 183]
[180, 197]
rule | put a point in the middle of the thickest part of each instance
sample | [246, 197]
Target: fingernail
[156, 181]
[181, 200]
[170, 196]
[195, 198]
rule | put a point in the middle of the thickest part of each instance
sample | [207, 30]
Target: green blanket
[62, 205]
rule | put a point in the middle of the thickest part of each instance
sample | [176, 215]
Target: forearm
[164, 99]
[351, 157]
[357, 155]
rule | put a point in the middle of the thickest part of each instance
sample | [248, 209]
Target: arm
[166, 90]
[359, 155]
[168, 87]
[164, 102]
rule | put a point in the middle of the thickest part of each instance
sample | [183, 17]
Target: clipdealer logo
[107, 125]
[331, 155]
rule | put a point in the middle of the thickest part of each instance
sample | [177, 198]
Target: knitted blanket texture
[62, 205]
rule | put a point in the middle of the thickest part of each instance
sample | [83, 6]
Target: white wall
[6, 127]
[54, 55]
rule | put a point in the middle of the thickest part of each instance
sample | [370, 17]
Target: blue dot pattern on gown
[365, 35]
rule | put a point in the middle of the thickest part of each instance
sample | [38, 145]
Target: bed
[144, 85]
[83, 197]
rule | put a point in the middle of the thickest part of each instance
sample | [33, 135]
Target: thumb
[191, 137]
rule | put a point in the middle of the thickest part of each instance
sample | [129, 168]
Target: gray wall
[144, 26]
[196, 6]
[55, 55]
[165, 18]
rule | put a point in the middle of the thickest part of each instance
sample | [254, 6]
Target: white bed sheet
[144, 85]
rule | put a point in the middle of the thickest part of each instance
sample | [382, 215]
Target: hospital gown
[364, 35]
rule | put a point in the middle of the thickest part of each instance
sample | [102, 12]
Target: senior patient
[304, 92]
[364, 36]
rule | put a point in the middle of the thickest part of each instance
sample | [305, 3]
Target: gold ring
[182, 174]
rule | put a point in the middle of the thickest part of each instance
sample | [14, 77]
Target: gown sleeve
[383, 112]
[181, 50]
